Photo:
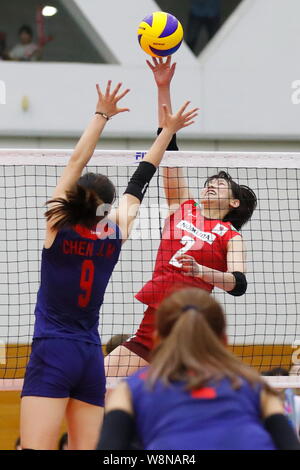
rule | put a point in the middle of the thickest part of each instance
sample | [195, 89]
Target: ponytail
[79, 207]
[188, 353]
[191, 348]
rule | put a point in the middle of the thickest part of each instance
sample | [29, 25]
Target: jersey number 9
[86, 282]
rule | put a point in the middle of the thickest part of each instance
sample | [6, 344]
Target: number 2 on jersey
[86, 282]
[188, 242]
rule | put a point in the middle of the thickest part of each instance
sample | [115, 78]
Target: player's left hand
[190, 266]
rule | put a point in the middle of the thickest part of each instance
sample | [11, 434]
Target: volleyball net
[263, 324]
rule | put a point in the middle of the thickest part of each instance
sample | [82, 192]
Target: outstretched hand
[163, 71]
[108, 101]
[175, 122]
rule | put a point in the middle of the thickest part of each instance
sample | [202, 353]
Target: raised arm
[175, 183]
[131, 200]
[107, 106]
[105, 109]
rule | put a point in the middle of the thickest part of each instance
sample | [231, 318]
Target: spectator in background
[3, 53]
[204, 14]
[115, 341]
[276, 371]
[26, 49]
[63, 442]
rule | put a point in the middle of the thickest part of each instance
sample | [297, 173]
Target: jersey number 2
[187, 243]
[86, 282]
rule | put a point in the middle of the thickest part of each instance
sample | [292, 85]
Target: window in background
[200, 19]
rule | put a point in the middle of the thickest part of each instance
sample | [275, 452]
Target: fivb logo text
[139, 156]
[2, 92]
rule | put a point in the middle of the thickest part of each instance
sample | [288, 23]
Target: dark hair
[2, 44]
[191, 325]
[63, 441]
[115, 341]
[248, 201]
[275, 371]
[17, 443]
[81, 203]
[25, 29]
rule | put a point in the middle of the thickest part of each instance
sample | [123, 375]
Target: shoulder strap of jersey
[190, 201]
[231, 232]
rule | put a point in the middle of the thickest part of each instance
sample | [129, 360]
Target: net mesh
[263, 325]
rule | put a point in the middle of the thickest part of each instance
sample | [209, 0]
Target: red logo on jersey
[99, 232]
[143, 375]
[204, 392]
[103, 231]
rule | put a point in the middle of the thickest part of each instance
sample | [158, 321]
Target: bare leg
[41, 418]
[84, 423]
[121, 362]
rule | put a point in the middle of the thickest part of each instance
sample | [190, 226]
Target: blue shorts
[61, 368]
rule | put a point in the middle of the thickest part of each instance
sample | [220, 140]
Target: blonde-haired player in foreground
[195, 395]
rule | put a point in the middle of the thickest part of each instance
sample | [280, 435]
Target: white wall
[248, 70]
[242, 83]
[63, 97]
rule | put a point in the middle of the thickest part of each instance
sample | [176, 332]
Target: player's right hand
[163, 71]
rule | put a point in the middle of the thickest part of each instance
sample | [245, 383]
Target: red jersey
[186, 231]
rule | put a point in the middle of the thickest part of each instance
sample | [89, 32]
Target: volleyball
[160, 34]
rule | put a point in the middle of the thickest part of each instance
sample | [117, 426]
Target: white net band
[173, 159]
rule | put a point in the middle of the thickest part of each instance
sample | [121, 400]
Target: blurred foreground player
[195, 395]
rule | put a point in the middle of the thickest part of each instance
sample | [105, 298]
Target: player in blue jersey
[195, 394]
[65, 374]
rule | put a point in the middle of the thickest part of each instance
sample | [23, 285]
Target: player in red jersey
[201, 245]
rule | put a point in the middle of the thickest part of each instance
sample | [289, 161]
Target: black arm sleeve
[240, 284]
[173, 143]
[282, 432]
[140, 180]
[117, 432]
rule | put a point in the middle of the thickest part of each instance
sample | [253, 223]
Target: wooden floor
[9, 419]
[262, 357]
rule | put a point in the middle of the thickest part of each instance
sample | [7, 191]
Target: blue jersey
[74, 274]
[215, 417]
